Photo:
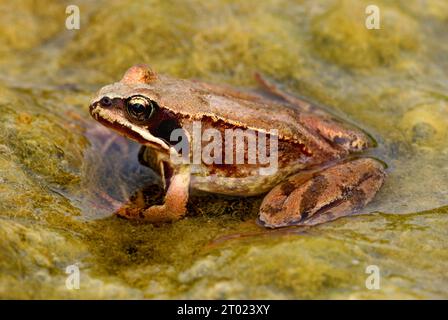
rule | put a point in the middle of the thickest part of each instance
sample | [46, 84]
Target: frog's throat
[129, 130]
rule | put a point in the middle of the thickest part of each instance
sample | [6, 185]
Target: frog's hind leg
[335, 192]
[275, 90]
[317, 119]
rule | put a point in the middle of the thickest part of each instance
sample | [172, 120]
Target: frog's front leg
[334, 192]
[175, 200]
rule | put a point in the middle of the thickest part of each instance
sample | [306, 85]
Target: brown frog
[312, 175]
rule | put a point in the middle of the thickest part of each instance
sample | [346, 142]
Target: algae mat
[392, 82]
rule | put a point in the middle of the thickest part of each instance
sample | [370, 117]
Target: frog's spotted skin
[315, 180]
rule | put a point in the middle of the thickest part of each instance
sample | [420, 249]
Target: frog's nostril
[106, 101]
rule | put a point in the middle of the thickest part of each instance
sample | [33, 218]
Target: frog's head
[130, 107]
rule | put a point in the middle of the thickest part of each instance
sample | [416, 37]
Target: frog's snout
[104, 102]
[94, 109]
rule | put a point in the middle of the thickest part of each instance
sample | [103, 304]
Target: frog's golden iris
[139, 109]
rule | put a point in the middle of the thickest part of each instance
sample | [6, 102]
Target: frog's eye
[139, 108]
[106, 101]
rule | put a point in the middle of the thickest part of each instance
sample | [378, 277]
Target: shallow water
[391, 82]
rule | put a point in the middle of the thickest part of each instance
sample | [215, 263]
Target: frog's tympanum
[318, 174]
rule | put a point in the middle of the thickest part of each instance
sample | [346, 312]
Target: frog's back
[198, 100]
[191, 100]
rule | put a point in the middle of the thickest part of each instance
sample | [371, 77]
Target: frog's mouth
[127, 129]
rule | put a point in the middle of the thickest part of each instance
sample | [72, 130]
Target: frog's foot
[327, 195]
[174, 206]
[155, 214]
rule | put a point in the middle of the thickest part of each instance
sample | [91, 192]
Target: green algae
[27, 23]
[336, 40]
[194, 46]
[54, 166]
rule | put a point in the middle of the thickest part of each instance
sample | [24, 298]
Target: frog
[321, 172]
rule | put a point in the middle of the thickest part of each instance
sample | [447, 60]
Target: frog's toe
[155, 214]
[327, 195]
[162, 214]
